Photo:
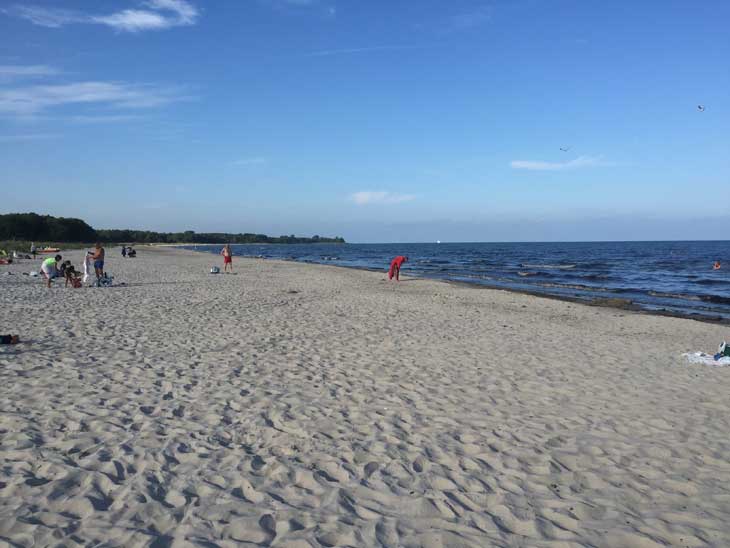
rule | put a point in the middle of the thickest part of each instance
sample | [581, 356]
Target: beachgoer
[124, 251]
[716, 266]
[227, 257]
[395, 266]
[9, 339]
[72, 276]
[62, 268]
[49, 268]
[33, 250]
[98, 258]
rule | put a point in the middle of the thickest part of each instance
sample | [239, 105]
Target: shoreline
[606, 302]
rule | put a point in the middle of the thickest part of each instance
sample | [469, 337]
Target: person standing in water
[716, 266]
[227, 257]
[395, 266]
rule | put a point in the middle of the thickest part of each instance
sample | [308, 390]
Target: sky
[378, 121]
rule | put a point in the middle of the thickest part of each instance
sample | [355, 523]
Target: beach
[309, 405]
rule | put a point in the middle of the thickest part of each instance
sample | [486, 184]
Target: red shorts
[227, 260]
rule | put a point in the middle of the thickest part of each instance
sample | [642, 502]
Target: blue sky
[377, 121]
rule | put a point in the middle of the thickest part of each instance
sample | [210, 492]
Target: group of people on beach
[55, 267]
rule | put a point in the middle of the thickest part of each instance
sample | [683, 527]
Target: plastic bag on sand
[707, 359]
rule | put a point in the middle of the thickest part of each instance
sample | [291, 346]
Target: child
[72, 276]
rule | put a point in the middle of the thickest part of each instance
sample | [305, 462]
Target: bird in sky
[566, 149]
[701, 108]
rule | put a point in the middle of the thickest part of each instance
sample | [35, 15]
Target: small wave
[674, 296]
[525, 274]
[581, 287]
[716, 299]
[433, 261]
[597, 277]
[597, 265]
[708, 281]
[549, 266]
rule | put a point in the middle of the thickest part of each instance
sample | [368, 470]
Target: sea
[675, 278]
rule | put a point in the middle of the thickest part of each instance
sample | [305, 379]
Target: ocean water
[674, 277]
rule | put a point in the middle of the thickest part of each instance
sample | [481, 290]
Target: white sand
[298, 405]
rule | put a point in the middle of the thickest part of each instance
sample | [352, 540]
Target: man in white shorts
[49, 268]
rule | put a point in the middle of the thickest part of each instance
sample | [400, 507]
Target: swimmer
[716, 266]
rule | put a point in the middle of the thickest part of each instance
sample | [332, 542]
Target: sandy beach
[302, 406]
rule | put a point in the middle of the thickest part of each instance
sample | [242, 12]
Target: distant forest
[40, 228]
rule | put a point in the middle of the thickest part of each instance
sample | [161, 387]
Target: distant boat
[438, 241]
[49, 250]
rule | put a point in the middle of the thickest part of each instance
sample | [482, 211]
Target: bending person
[395, 266]
[49, 268]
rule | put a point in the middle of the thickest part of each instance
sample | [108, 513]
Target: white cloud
[102, 118]
[367, 49]
[24, 138]
[249, 162]
[46, 17]
[157, 14]
[580, 162]
[469, 19]
[367, 197]
[25, 71]
[30, 100]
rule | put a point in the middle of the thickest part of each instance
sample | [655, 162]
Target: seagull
[701, 108]
[565, 149]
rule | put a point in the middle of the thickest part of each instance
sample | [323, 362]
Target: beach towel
[707, 359]
[87, 267]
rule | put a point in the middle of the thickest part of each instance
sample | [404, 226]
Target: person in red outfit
[395, 267]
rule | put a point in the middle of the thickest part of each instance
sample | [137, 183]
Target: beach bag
[724, 349]
[215, 270]
[105, 281]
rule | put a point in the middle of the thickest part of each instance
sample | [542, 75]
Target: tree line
[34, 227]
